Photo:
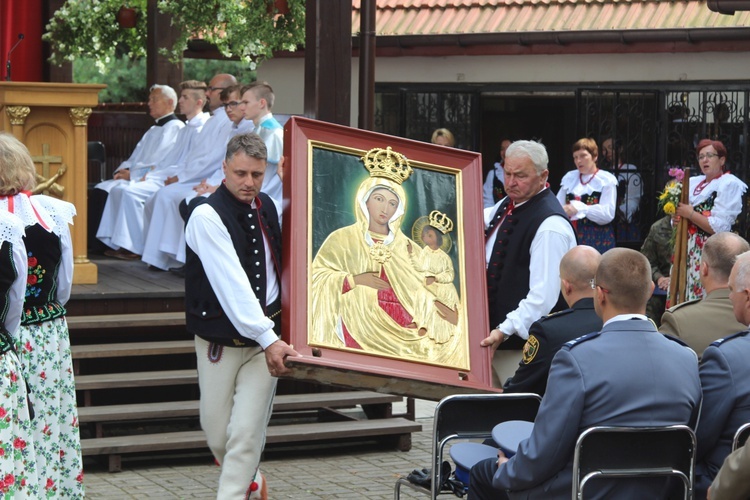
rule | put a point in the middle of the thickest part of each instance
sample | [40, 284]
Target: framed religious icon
[384, 276]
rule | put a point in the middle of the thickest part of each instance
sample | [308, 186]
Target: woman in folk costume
[18, 472]
[715, 203]
[366, 295]
[588, 196]
[43, 342]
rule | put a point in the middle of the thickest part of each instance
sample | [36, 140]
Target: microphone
[7, 64]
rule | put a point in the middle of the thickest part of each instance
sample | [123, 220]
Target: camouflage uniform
[658, 248]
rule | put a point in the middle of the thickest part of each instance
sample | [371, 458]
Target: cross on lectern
[45, 182]
[46, 160]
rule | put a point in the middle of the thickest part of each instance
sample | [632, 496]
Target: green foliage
[205, 69]
[126, 78]
[249, 30]
[88, 28]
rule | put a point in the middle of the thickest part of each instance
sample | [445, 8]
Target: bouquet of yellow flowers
[670, 197]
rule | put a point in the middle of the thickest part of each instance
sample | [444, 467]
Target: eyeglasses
[708, 156]
[231, 104]
[593, 284]
[211, 89]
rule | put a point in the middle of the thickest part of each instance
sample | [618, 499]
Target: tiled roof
[468, 17]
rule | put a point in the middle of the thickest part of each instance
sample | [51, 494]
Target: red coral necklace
[702, 185]
[580, 177]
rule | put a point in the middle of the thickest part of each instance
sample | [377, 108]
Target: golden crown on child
[441, 222]
[387, 163]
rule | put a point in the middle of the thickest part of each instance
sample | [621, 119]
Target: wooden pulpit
[51, 119]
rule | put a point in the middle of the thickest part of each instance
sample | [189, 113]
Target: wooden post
[161, 33]
[678, 279]
[328, 60]
[367, 37]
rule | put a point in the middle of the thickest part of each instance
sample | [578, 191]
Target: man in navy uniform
[626, 375]
[547, 335]
[233, 306]
[725, 377]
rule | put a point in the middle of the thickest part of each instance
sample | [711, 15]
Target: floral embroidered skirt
[44, 350]
[693, 288]
[600, 237]
[18, 468]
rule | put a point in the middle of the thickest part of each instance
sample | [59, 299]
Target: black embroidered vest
[246, 226]
[45, 254]
[508, 269]
[8, 274]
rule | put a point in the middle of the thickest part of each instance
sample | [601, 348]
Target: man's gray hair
[251, 144]
[535, 151]
[721, 250]
[168, 92]
[742, 272]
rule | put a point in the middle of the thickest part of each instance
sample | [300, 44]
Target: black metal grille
[655, 126]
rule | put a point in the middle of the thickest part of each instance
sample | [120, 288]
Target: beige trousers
[236, 400]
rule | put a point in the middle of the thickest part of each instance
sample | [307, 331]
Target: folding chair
[740, 437]
[620, 452]
[470, 416]
[97, 153]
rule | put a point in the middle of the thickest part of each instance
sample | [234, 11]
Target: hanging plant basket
[127, 17]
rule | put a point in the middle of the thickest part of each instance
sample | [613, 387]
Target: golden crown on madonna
[388, 164]
[441, 222]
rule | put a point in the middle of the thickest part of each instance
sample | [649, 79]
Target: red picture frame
[318, 158]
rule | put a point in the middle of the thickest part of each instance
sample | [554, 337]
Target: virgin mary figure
[366, 295]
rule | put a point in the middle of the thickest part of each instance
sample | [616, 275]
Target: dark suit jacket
[725, 377]
[546, 337]
[627, 375]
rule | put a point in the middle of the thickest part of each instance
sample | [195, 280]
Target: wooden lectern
[51, 120]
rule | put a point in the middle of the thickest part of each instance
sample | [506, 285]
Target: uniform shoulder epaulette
[737, 335]
[675, 339]
[556, 314]
[683, 304]
[580, 340]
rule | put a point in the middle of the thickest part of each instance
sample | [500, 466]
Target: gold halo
[416, 234]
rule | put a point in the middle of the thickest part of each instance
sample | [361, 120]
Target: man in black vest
[526, 237]
[233, 306]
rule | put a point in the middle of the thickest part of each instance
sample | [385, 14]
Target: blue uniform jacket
[627, 375]
[725, 377]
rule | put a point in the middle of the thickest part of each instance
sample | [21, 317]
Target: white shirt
[625, 317]
[728, 203]
[602, 182]
[207, 236]
[12, 231]
[553, 239]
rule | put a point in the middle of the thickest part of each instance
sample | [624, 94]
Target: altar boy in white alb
[164, 226]
[122, 221]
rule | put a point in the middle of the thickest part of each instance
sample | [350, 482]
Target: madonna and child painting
[374, 289]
